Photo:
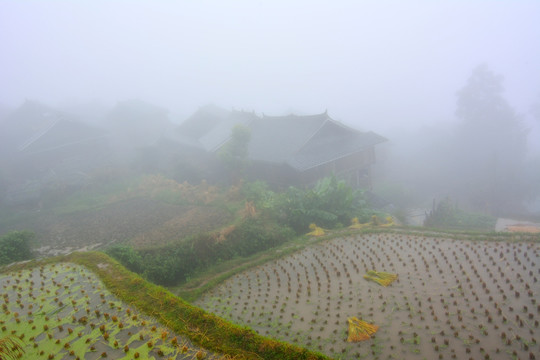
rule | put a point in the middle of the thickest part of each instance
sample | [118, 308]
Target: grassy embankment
[205, 280]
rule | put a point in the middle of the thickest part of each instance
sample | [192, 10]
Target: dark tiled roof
[25, 124]
[332, 142]
[210, 127]
[276, 139]
[221, 133]
[34, 127]
[202, 121]
[302, 142]
[64, 133]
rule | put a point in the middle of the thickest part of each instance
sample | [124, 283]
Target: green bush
[330, 203]
[15, 246]
[172, 264]
[447, 216]
[130, 258]
[259, 194]
[254, 235]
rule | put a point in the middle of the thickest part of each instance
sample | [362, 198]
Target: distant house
[290, 150]
[40, 144]
[137, 124]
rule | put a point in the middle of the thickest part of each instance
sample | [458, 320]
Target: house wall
[275, 175]
[353, 168]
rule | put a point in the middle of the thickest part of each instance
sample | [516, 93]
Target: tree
[490, 147]
[234, 153]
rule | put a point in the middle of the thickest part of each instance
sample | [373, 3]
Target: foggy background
[377, 65]
[453, 86]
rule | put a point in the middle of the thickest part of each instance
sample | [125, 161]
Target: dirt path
[517, 226]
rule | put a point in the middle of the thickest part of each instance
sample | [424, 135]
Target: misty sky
[372, 64]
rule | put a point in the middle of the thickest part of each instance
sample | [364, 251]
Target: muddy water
[453, 298]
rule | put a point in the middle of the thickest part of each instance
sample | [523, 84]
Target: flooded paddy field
[62, 311]
[453, 299]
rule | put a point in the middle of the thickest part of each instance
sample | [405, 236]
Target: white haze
[377, 65]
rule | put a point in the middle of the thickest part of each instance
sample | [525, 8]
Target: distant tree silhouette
[234, 153]
[490, 147]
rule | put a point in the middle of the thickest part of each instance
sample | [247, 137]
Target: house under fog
[42, 145]
[289, 150]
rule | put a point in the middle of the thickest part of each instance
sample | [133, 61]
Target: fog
[376, 65]
[393, 67]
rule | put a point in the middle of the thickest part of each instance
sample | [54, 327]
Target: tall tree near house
[491, 144]
[234, 154]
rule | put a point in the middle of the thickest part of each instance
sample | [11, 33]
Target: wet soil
[453, 298]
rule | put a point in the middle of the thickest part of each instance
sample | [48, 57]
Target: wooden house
[291, 150]
[40, 145]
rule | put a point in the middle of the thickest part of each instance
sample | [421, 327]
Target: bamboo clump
[380, 277]
[360, 330]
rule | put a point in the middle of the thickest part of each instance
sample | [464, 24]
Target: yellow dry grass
[315, 230]
[380, 277]
[360, 330]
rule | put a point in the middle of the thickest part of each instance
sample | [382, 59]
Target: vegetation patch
[445, 215]
[172, 264]
[332, 203]
[16, 246]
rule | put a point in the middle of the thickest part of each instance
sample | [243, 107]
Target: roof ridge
[295, 115]
[32, 139]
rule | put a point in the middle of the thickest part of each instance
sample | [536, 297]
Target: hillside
[145, 211]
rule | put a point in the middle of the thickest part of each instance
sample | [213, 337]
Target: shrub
[259, 194]
[127, 256]
[330, 203]
[172, 264]
[447, 216]
[15, 246]
[255, 235]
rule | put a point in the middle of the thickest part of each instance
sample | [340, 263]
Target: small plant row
[462, 295]
[203, 329]
[61, 310]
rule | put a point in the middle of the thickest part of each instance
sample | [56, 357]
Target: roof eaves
[298, 166]
[314, 165]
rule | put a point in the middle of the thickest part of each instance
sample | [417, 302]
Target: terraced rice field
[453, 299]
[62, 311]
